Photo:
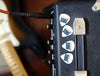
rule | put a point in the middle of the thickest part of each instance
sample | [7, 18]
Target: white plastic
[5, 26]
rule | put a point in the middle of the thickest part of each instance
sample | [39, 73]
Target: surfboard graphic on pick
[67, 58]
[67, 31]
[69, 46]
[64, 19]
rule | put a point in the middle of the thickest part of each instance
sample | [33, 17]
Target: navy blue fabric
[91, 40]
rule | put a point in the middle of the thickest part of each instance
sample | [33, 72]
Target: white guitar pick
[67, 58]
[67, 31]
[64, 19]
[69, 46]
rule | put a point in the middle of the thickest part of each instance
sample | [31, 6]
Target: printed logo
[67, 58]
[69, 46]
[64, 19]
[67, 31]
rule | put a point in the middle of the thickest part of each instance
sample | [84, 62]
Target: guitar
[7, 43]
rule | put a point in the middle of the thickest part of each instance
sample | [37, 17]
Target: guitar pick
[67, 31]
[67, 58]
[69, 46]
[64, 19]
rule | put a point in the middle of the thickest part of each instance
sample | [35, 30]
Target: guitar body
[7, 43]
[26, 49]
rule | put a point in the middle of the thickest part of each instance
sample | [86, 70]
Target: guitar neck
[11, 57]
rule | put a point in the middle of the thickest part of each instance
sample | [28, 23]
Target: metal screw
[95, 7]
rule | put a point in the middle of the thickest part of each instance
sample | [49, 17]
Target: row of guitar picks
[69, 45]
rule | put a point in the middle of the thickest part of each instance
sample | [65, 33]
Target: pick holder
[79, 32]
